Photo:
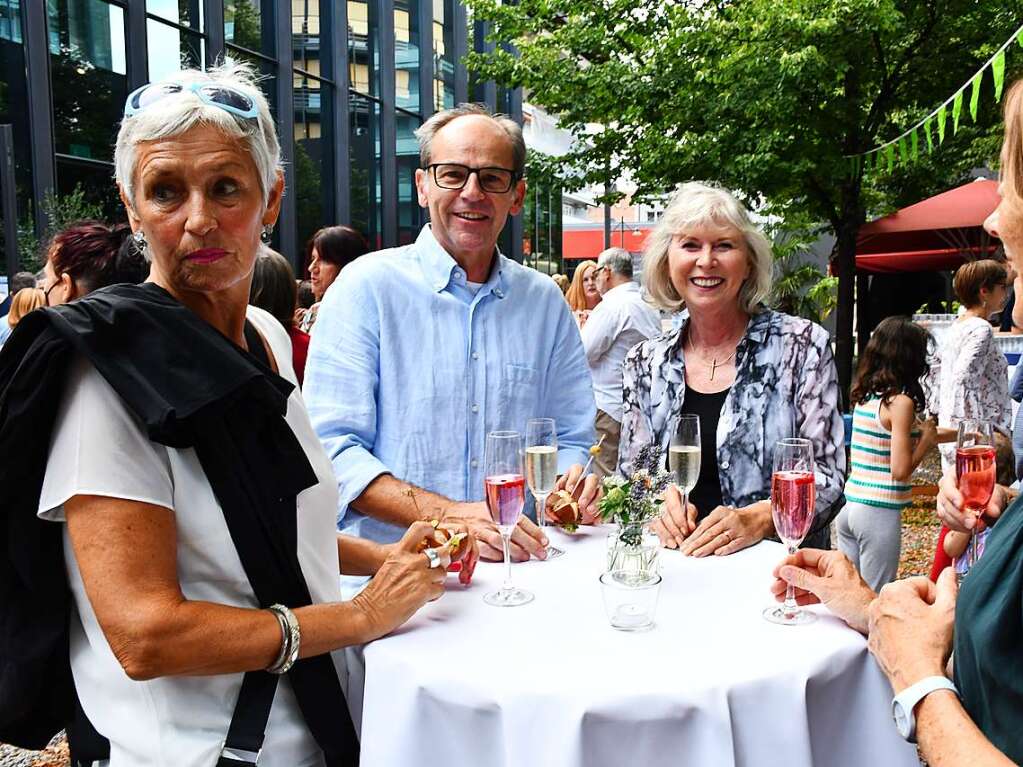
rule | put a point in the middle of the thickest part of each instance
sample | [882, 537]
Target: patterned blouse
[786, 385]
[974, 380]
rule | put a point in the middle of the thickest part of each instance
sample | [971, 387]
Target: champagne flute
[793, 495]
[506, 494]
[684, 455]
[975, 474]
[542, 468]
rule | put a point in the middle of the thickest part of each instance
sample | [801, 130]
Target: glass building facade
[348, 82]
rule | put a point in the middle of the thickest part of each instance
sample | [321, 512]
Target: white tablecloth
[713, 684]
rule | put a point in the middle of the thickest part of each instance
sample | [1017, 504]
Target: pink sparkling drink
[506, 495]
[793, 495]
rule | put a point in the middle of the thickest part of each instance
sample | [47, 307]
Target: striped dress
[870, 479]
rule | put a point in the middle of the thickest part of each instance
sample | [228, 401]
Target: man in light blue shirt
[418, 352]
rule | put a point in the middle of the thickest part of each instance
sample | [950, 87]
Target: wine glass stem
[541, 508]
[971, 560]
[790, 592]
[506, 542]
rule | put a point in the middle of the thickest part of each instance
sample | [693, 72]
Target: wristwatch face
[902, 723]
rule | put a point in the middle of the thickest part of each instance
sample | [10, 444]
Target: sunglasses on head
[222, 96]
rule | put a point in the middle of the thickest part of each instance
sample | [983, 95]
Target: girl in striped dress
[888, 443]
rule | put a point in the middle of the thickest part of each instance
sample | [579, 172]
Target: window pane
[171, 50]
[314, 158]
[96, 180]
[364, 160]
[443, 53]
[363, 53]
[88, 76]
[14, 110]
[187, 13]
[10, 20]
[406, 54]
[410, 216]
[249, 23]
[305, 35]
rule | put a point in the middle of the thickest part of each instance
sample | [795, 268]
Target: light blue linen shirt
[409, 369]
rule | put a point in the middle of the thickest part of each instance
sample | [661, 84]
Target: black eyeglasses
[449, 175]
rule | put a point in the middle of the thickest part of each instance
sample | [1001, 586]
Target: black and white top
[786, 385]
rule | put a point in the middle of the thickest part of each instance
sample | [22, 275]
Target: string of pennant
[934, 127]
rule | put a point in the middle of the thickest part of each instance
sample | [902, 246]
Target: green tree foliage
[61, 211]
[765, 96]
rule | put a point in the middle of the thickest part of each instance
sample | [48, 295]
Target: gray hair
[177, 114]
[431, 127]
[693, 205]
[618, 260]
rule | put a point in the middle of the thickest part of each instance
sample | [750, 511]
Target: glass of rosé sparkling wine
[793, 495]
[505, 488]
[975, 474]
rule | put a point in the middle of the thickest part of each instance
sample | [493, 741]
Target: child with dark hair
[888, 443]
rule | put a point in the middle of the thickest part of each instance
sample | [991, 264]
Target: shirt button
[474, 463]
[475, 355]
[475, 408]
[499, 293]
[724, 464]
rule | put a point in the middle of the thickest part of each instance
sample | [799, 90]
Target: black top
[706, 496]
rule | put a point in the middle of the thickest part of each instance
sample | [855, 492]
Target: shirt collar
[440, 267]
[625, 287]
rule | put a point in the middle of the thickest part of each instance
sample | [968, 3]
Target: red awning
[939, 233]
[582, 243]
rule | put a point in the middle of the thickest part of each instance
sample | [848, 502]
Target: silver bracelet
[291, 643]
[282, 654]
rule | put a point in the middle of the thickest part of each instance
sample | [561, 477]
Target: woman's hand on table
[468, 552]
[828, 578]
[587, 492]
[675, 524]
[726, 530]
[949, 505]
[527, 539]
[911, 625]
[406, 581]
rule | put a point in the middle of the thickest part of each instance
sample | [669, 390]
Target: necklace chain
[713, 363]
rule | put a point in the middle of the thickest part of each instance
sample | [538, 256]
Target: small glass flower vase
[632, 552]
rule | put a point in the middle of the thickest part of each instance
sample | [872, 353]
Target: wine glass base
[553, 552]
[508, 597]
[783, 616]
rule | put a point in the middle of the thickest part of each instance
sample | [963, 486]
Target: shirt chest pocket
[519, 396]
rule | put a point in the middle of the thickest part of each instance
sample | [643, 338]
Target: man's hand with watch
[904, 704]
[910, 634]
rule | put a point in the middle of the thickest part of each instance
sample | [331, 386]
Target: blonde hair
[25, 301]
[696, 204]
[1012, 148]
[174, 115]
[575, 295]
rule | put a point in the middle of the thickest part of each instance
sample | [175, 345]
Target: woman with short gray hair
[195, 503]
[752, 376]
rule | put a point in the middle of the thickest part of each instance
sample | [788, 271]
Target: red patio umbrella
[939, 233]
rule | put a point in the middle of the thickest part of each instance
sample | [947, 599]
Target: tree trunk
[862, 312]
[852, 216]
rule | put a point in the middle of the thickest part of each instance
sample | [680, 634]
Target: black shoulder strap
[248, 725]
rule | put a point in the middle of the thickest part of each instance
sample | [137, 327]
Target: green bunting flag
[930, 139]
[889, 152]
[975, 94]
[941, 124]
[957, 112]
[903, 151]
[998, 70]
[914, 137]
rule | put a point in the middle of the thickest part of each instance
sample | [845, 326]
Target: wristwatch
[904, 703]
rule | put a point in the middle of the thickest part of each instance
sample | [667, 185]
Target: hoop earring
[264, 236]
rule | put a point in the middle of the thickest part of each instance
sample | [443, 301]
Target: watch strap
[908, 699]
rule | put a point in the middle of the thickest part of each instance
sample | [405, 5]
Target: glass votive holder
[630, 599]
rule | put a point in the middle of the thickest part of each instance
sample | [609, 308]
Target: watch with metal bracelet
[906, 701]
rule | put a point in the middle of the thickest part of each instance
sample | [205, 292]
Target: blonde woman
[752, 375]
[582, 295]
[24, 301]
